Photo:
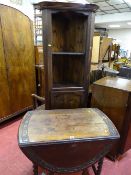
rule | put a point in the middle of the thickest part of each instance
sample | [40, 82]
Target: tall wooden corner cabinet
[17, 66]
[67, 39]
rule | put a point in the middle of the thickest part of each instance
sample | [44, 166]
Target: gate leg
[35, 169]
[97, 170]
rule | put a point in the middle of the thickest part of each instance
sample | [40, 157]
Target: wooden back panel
[68, 70]
[68, 31]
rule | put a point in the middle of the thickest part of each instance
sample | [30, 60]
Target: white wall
[26, 7]
[116, 17]
[123, 37]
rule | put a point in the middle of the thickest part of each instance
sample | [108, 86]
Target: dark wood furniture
[112, 95]
[38, 98]
[38, 102]
[40, 77]
[66, 140]
[67, 41]
[17, 70]
[116, 51]
[125, 72]
[39, 55]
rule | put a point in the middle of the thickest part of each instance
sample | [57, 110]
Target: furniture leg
[85, 172]
[99, 167]
[50, 173]
[35, 169]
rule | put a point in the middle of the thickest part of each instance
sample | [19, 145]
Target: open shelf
[67, 87]
[68, 70]
[68, 32]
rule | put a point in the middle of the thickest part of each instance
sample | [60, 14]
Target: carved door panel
[67, 99]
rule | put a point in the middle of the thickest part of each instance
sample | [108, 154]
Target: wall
[26, 7]
[123, 37]
[95, 49]
[116, 17]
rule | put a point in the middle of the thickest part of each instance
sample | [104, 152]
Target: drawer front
[69, 99]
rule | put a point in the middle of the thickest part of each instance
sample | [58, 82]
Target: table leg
[50, 173]
[35, 169]
[97, 170]
[85, 172]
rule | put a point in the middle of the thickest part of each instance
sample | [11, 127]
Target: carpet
[14, 162]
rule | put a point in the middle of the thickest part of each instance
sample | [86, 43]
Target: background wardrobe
[17, 73]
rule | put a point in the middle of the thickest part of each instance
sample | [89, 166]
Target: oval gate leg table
[66, 140]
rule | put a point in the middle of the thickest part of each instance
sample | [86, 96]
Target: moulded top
[65, 125]
[115, 82]
[65, 5]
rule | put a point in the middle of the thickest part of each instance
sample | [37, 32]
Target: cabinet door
[65, 100]
[4, 90]
[19, 55]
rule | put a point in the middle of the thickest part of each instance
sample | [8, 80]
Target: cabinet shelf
[67, 87]
[68, 53]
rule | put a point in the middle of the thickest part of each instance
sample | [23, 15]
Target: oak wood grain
[67, 41]
[65, 124]
[18, 72]
[68, 140]
[112, 95]
[4, 89]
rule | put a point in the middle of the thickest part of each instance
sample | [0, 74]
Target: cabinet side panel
[128, 140]
[113, 102]
[126, 144]
[4, 89]
[88, 47]
[47, 49]
[19, 55]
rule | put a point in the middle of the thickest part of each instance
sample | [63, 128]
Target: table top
[115, 82]
[65, 125]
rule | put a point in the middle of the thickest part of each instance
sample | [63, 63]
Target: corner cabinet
[67, 43]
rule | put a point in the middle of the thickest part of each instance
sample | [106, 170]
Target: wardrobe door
[4, 89]
[19, 55]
